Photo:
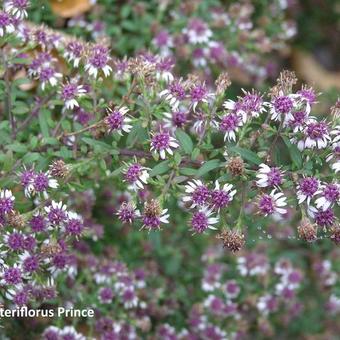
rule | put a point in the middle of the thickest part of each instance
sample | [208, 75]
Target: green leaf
[17, 147]
[99, 145]
[160, 169]
[188, 171]
[31, 157]
[43, 117]
[294, 153]
[185, 141]
[208, 166]
[246, 154]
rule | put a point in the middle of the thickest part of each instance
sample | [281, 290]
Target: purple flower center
[201, 195]
[75, 48]
[151, 222]
[15, 241]
[199, 222]
[126, 214]
[198, 93]
[309, 186]
[60, 261]
[229, 122]
[283, 104]
[5, 19]
[251, 102]
[106, 294]
[220, 199]
[266, 204]
[299, 117]
[308, 94]
[46, 74]
[69, 91]
[331, 192]
[12, 276]
[115, 120]
[31, 264]
[21, 298]
[274, 177]
[177, 90]
[325, 218]
[162, 38]
[74, 226]
[40, 182]
[161, 141]
[317, 130]
[56, 215]
[133, 173]
[26, 177]
[198, 26]
[21, 4]
[179, 118]
[6, 205]
[99, 59]
[37, 223]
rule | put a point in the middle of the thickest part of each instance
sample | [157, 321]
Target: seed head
[235, 166]
[152, 208]
[15, 220]
[59, 169]
[222, 82]
[307, 230]
[232, 239]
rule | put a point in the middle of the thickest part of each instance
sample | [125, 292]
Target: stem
[74, 133]
[8, 97]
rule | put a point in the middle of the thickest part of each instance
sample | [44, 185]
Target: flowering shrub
[108, 165]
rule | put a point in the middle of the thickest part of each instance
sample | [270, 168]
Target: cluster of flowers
[274, 297]
[35, 244]
[215, 40]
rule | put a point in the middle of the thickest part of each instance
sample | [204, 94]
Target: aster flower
[308, 96]
[251, 103]
[307, 188]
[17, 8]
[198, 194]
[296, 120]
[14, 240]
[281, 106]
[173, 94]
[329, 195]
[323, 218]
[267, 304]
[129, 297]
[315, 134]
[199, 94]
[6, 201]
[202, 220]
[197, 31]
[230, 124]
[74, 224]
[127, 212]
[56, 213]
[6, 24]
[116, 120]
[11, 275]
[105, 295]
[163, 69]
[269, 176]
[98, 61]
[136, 175]
[69, 94]
[231, 289]
[153, 215]
[271, 204]
[41, 182]
[221, 197]
[48, 76]
[74, 51]
[162, 142]
[29, 263]
[69, 332]
[164, 42]
[175, 119]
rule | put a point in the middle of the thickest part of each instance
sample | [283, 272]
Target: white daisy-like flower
[136, 175]
[17, 8]
[222, 196]
[117, 120]
[162, 142]
[48, 76]
[174, 94]
[197, 31]
[6, 24]
[269, 176]
[69, 332]
[197, 193]
[281, 106]
[307, 189]
[272, 204]
[6, 201]
[69, 94]
[315, 135]
[202, 220]
[329, 195]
